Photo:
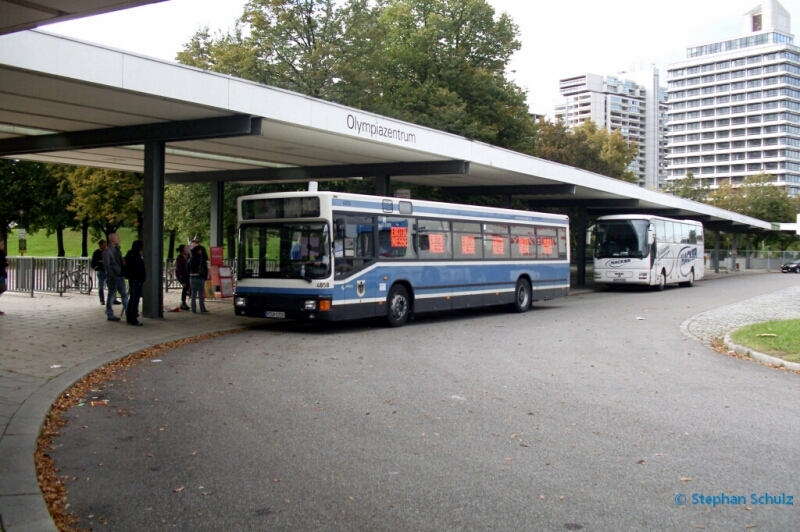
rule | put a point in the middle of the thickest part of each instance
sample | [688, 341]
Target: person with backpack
[198, 271]
[136, 274]
[182, 274]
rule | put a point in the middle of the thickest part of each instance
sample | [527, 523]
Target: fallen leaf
[178, 490]
[766, 335]
[640, 462]
[686, 479]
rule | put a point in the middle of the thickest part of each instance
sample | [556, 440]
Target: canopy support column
[153, 229]
[580, 245]
[217, 212]
[716, 251]
[505, 201]
[382, 185]
[734, 248]
[747, 251]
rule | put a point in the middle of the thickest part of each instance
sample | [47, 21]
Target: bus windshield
[621, 238]
[291, 250]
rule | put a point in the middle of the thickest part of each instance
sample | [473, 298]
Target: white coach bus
[650, 250]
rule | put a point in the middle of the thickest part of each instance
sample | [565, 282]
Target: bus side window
[661, 235]
[353, 243]
[669, 234]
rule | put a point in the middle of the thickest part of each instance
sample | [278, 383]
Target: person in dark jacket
[99, 270]
[182, 273]
[136, 275]
[3, 265]
[112, 264]
[198, 271]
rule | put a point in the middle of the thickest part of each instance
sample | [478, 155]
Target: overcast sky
[560, 38]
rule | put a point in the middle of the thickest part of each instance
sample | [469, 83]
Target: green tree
[437, 63]
[587, 147]
[22, 192]
[688, 188]
[187, 211]
[56, 196]
[107, 199]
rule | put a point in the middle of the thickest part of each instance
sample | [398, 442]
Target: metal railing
[50, 274]
[754, 260]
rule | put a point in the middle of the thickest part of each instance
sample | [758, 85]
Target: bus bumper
[284, 306]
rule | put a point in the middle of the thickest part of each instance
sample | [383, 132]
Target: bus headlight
[240, 302]
[310, 305]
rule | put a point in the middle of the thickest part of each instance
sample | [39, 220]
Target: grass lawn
[785, 344]
[41, 245]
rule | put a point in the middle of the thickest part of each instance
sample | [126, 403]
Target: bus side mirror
[651, 238]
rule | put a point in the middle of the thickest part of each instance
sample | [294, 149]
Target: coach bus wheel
[397, 306]
[690, 282]
[662, 281]
[522, 298]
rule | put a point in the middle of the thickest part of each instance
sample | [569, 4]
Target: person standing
[112, 263]
[198, 271]
[3, 266]
[97, 266]
[136, 274]
[182, 273]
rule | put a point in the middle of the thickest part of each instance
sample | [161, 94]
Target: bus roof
[646, 217]
[421, 207]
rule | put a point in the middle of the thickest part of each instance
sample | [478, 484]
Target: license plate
[618, 280]
[271, 314]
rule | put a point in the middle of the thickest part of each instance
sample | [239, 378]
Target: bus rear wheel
[397, 306]
[522, 296]
[690, 282]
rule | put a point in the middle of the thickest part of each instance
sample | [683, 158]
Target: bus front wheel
[522, 298]
[662, 281]
[398, 306]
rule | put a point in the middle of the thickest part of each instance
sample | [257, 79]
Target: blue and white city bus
[334, 256]
[651, 250]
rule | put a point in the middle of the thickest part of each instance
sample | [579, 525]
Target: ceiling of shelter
[68, 92]
[16, 15]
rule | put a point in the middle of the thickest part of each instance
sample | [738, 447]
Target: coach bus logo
[361, 288]
[617, 263]
[686, 257]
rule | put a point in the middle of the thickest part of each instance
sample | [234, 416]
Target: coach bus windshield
[621, 238]
[292, 250]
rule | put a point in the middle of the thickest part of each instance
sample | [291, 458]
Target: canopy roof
[55, 84]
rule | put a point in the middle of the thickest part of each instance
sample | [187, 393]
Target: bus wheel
[662, 281]
[522, 298]
[398, 306]
[690, 282]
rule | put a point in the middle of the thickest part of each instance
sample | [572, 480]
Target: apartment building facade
[633, 104]
[734, 105]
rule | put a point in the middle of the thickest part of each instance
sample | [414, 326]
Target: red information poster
[216, 256]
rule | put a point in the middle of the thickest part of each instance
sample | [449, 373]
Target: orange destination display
[468, 245]
[399, 237]
[436, 243]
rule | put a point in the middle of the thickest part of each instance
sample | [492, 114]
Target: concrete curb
[22, 499]
[760, 357]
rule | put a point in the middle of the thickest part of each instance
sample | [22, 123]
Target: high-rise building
[734, 105]
[633, 104]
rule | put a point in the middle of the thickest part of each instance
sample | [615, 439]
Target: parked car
[793, 266]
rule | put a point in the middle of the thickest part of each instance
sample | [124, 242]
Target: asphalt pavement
[595, 412]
